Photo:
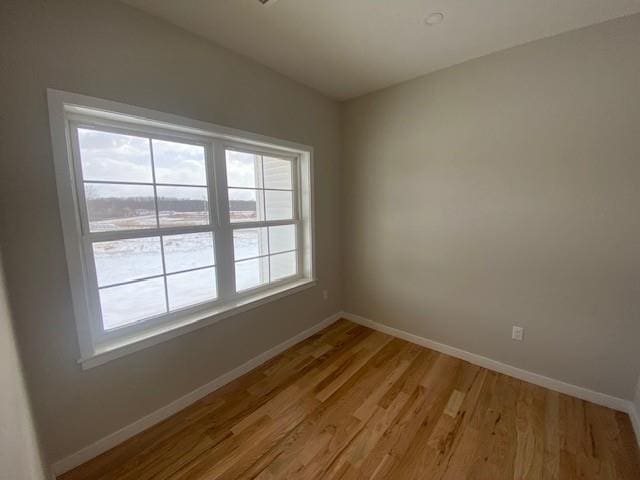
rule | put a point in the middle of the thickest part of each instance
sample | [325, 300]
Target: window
[148, 225]
[261, 193]
[169, 225]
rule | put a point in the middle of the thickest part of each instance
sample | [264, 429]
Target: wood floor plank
[551, 457]
[430, 452]
[530, 434]
[336, 415]
[379, 461]
[352, 404]
[494, 420]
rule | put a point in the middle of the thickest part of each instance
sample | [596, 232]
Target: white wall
[106, 49]
[19, 449]
[505, 191]
[501, 191]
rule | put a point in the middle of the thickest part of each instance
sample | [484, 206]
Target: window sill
[106, 352]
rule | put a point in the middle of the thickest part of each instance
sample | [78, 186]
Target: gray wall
[108, 50]
[506, 191]
[502, 191]
[19, 448]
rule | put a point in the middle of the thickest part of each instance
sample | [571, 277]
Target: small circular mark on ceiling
[434, 18]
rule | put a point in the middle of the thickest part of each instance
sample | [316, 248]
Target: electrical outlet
[325, 294]
[517, 333]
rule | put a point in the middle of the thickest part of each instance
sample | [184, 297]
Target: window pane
[132, 302]
[278, 205]
[250, 242]
[109, 156]
[283, 265]
[184, 252]
[252, 273]
[191, 288]
[243, 169]
[119, 207]
[179, 163]
[183, 206]
[282, 239]
[125, 260]
[277, 173]
[245, 205]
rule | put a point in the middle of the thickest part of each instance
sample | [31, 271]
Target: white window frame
[69, 111]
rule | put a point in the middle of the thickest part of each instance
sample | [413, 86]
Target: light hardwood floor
[352, 403]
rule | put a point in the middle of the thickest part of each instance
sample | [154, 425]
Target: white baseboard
[582, 393]
[634, 415]
[106, 443]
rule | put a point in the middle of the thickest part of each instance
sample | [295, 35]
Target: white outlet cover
[517, 333]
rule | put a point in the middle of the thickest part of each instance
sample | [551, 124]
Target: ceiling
[346, 48]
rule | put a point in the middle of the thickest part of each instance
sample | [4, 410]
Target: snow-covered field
[123, 261]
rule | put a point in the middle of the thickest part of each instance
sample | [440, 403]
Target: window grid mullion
[269, 250]
[264, 223]
[155, 199]
[146, 184]
[113, 235]
[152, 277]
[164, 275]
[265, 255]
[264, 208]
[292, 190]
[129, 282]
[153, 179]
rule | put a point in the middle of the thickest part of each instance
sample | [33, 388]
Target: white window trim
[65, 107]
